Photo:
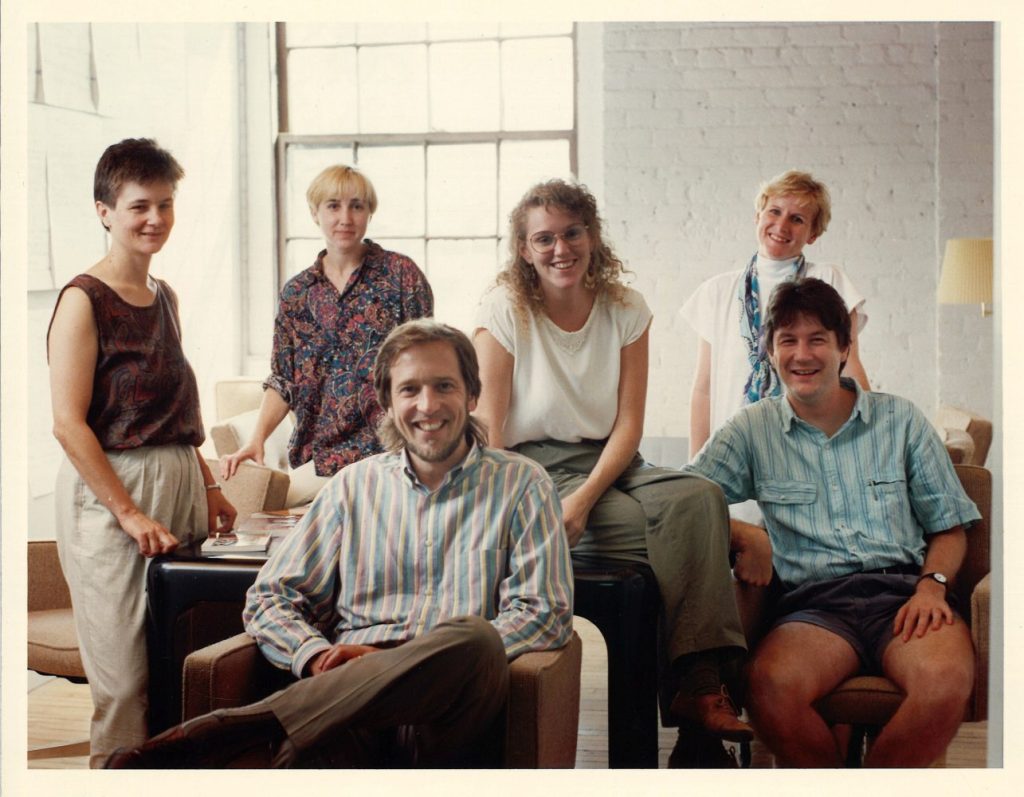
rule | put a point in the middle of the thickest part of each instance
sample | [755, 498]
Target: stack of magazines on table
[252, 538]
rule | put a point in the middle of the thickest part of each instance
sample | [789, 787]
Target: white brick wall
[965, 152]
[889, 115]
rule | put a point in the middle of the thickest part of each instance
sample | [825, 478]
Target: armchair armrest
[228, 674]
[980, 635]
[544, 708]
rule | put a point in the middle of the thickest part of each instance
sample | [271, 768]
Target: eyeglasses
[544, 242]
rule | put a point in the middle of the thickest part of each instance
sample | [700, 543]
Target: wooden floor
[58, 713]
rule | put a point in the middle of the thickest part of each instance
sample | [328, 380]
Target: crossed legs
[432, 701]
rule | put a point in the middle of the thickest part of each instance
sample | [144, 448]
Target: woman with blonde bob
[331, 320]
[563, 350]
[792, 211]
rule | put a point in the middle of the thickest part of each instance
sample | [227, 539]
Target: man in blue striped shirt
[865, 523]
[401, 595]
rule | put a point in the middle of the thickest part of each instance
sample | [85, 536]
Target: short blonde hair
[520, 278]
[338, 181]
[801, 184]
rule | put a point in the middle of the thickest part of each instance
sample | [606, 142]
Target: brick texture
[896, 118]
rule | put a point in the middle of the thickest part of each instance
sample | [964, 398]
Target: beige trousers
[430, 702]
[107, 579]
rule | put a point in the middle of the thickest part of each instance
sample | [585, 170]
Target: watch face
[939, 577]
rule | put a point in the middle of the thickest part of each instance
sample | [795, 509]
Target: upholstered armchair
[52, 640]
[543, 707]
[868, 702]
[967, 435]
[237, 404]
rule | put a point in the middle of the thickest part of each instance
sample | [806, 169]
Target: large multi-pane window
[452, 123]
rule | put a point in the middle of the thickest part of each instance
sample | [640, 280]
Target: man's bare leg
[794, 665]
[936, 672]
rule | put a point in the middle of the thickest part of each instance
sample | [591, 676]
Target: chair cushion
[255, 489]
[304, 485]
[863, 700]
[53, 643]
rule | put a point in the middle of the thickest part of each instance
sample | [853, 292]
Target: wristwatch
[934, 577]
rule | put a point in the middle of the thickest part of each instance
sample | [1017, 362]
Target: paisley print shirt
[325, 343]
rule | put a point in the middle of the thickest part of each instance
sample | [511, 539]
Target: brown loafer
[213, 741]
[715, 713]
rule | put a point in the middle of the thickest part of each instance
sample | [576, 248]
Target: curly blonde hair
[520, 278]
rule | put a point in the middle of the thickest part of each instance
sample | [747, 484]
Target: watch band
[935, 576]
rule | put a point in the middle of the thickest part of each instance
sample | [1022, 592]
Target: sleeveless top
[144, 391]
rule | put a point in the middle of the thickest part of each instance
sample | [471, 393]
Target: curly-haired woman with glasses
[563, 349]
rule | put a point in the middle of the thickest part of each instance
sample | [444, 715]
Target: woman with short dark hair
[126, 412]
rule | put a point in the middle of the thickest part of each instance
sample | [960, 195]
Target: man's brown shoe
[695, 749]
[213, 741]
[715, 713]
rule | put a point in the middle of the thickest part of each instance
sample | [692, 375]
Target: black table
[195, 601]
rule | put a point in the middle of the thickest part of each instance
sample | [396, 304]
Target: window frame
[286, 139]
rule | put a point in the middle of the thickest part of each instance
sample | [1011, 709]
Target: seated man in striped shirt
[401, 595]
[866, 520]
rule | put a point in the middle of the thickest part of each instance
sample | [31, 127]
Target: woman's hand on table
[152, 538]
[221, 513]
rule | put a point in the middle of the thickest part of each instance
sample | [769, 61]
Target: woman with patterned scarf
[792, 211]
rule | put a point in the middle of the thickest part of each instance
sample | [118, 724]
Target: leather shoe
[213, 741]
[715, 713]
[695, 749]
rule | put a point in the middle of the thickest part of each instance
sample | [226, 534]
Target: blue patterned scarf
[763, 381]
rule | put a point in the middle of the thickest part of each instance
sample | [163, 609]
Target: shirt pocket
[786, 493]
[887, 497]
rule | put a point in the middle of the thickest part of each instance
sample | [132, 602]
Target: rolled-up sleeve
[282, 357]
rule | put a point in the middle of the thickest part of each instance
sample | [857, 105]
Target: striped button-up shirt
[380, 558]
[862, 499]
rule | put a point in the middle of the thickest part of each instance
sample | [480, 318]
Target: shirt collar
[373, 253]
[472, 458]
[861, 407]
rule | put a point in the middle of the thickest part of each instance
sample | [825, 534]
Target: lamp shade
[966, 271]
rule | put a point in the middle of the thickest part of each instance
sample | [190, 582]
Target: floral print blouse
[324, 347]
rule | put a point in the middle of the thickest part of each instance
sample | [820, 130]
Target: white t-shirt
[564, 384]
[714, 312]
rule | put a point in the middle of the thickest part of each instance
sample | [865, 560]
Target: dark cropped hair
[414, 333]
[810, 297]
[134, 160]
